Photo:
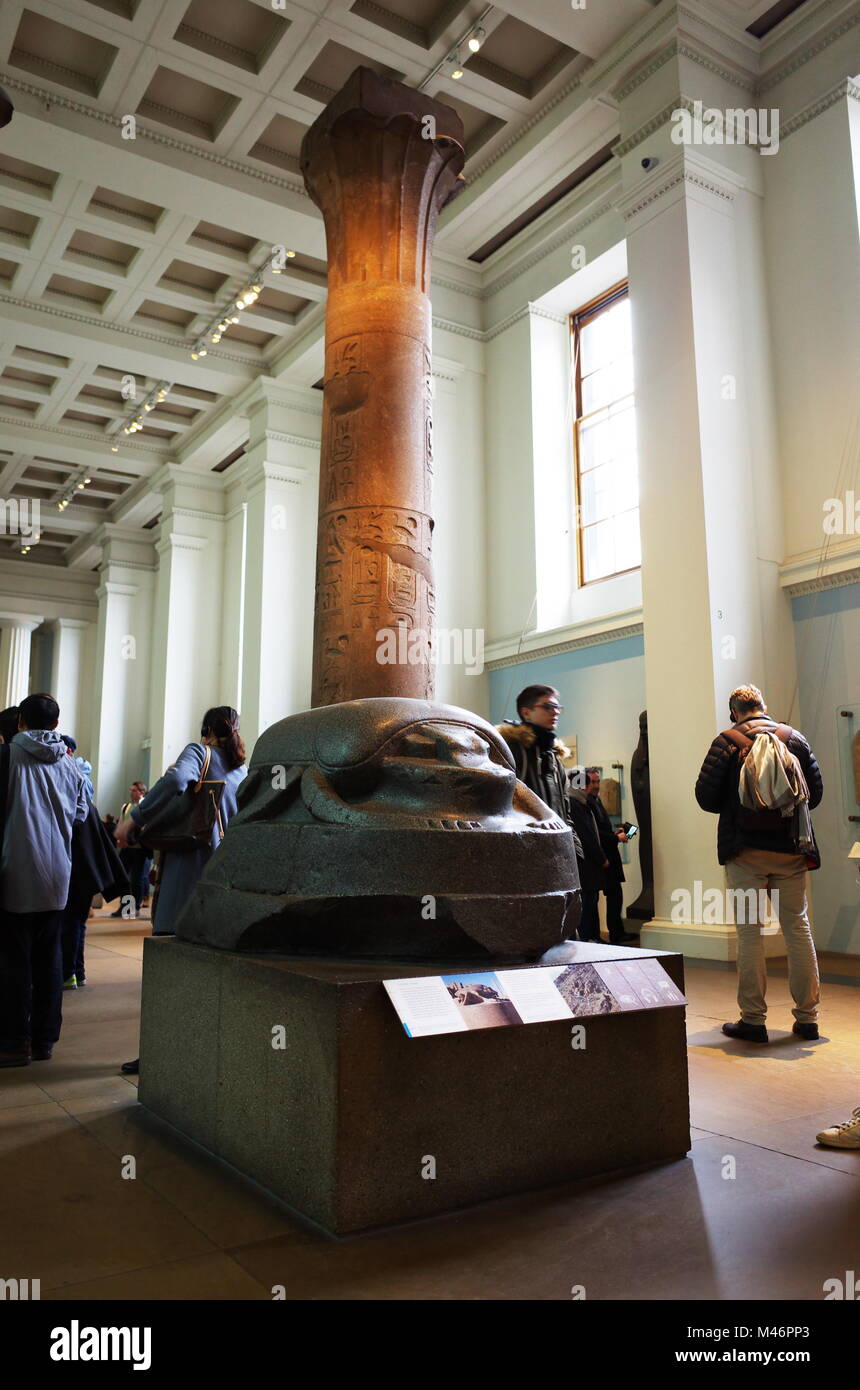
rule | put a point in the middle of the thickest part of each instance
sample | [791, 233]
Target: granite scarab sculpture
[387, 829]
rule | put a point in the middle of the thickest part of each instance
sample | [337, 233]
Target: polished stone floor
[187, 1228]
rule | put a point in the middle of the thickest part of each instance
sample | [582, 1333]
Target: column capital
[69, 624]
[25, 622]
[688, 174]
[380, 162]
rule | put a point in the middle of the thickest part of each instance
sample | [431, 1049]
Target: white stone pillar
[281, 484]
[67, 674]
[185, 675]
[122, 662]
[16, 632]
[704, 589]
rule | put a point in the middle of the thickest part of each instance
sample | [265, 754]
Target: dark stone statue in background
[640, 781]
[387, 829]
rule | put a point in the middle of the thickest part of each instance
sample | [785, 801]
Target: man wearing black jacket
[613, 871]
[759, 853]
[591, 866]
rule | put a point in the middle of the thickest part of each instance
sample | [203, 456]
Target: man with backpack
[763, 780]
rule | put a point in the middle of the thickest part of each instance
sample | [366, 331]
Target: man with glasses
[536, 751]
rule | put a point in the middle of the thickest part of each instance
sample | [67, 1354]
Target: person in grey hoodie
[45, 795]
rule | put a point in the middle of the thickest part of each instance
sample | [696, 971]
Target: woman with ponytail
[178, 872]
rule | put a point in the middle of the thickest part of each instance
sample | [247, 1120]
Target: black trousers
[73, 934]
[614, 904]
[137, 863]
[31, 979]
[589, 925]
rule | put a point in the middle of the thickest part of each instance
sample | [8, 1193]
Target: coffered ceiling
[151, 165]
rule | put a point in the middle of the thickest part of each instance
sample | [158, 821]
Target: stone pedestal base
[354, 1124]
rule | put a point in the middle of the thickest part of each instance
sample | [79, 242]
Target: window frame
[586, 314]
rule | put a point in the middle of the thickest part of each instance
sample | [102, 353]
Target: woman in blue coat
[178, 872]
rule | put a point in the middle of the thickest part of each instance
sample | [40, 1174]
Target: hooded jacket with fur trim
[541, 770]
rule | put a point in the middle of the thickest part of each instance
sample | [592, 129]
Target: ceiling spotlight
[147, 405]
[290, 255]
[81, 486]
[216, 337]
[255, 289]
[87, 482]
[476, 39]
[114, 448]
[201, 351]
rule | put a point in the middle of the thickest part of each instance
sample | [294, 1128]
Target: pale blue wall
[602, 689]
[827, 634]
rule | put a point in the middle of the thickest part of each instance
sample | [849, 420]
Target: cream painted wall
[813, 270]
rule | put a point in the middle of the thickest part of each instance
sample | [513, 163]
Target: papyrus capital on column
[381, 162]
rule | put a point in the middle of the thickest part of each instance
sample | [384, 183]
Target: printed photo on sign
[482, 1000]
[584, 992]
[425, 1007]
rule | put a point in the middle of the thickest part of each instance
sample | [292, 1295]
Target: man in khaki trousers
[760, 855]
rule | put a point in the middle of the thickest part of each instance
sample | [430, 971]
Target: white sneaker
[844, 1136]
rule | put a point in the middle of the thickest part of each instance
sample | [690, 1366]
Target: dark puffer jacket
[717, 791]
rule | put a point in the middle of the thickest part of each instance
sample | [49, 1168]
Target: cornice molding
[570, 229]
[70, 435]
[276, 437]
[537, 311]
[602, 69]
[514, 138]
[806, 53]
[681, 48]
[704, 60]
[845, 88]
[461, 329]
[174, 540]
[719, 183]
[112, 588]
[190, 514]
[651, 125]
[93, 320]
[588, 639]
[742, 45]
[473, 291]
[840, 580]
[660, 59]
[506, 323]
[82, 108]
[257, 476]
[129, 565]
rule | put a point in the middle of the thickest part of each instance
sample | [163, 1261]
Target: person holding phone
[613, 870]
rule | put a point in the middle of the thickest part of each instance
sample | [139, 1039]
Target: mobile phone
[631, 831]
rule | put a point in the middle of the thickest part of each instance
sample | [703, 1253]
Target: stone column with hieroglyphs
[380, 162]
